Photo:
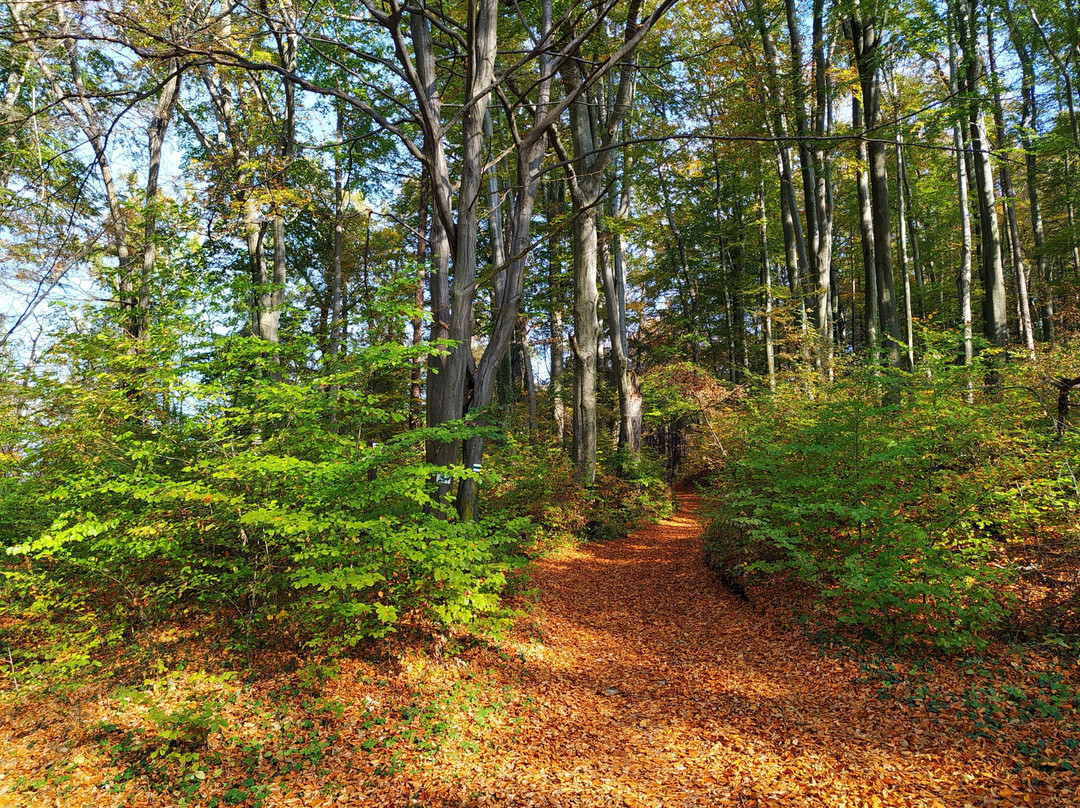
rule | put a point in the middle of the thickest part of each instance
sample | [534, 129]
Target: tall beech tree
[863, 26]
[995, 323]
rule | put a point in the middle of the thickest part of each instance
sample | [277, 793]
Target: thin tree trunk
[913, 233]
[629, 430]
[867, 58]
[866, 230]
[905, 257]
[794, 239]
[442, 454]
[339, 227]
[495, 224]
[1070, 211]
[1029, 114]
[272, 298]
[557, 358]
[689, 286]
[611, 264]
[159, 125]
[766, 285]
[995, 324]
[529, 377]
[415, 389]
[963, 204]
[1027, 331]
[822, 174]
[555, 201]
[806, 159]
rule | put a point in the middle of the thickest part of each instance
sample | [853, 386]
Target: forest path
[635, 680]
[652, 685]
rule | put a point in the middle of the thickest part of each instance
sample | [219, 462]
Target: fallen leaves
[637, 681]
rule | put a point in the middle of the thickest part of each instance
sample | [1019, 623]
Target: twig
[708, 423]
[11, 661]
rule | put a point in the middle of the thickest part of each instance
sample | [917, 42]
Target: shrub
[246, 493]
[896, 497]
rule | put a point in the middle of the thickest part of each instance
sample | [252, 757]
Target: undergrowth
[912, 503]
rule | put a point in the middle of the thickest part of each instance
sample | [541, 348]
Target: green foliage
[896, 498]
[540, 482]
[629, 493]
[240, 487]
[996, 698]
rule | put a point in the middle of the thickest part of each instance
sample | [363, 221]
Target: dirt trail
[637, 680]
[652, 685]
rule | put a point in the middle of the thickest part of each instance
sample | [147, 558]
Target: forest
[540, 403]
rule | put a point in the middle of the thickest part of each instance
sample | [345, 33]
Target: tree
[863, 30]
[995, 325]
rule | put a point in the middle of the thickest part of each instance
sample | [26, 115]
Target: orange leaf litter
[637, 681]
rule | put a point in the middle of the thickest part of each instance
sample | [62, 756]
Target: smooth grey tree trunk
[960, 146]
[796, 253]
[766, 285]
[806, 158]
[822, 189]
[995, 323]
[913, 237]
[339, 228]
[557, 367]
[867, 45]
[905, 255]
[630, 407]
[1029, 118]
[584, 344]
[1027, 331]
[613, 276]
[593, 129]
[866, 230]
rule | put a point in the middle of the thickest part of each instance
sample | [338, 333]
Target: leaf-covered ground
[636, 680]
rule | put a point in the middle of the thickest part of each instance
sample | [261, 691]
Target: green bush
[236, 489]
[896, 496]
[539, 481]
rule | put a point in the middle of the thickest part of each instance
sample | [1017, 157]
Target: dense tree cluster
[301, 249]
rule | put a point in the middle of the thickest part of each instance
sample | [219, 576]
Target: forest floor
[633, 679]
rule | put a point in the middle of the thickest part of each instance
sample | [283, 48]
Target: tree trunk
[794, 239]
[629, 430]
[339, 227]
[495, 225]
[159, 125]
[963, 204]
[557, 359]
[1029, 123]
[584, 342]
[460, 232]
[913, 237]
[866, 230]
[766, 285]
[822, 175]
[905, 257]
[1027, 331]
[528, 379]
[415, 388]
[995, 324]
[806, 159]
[867, 58]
